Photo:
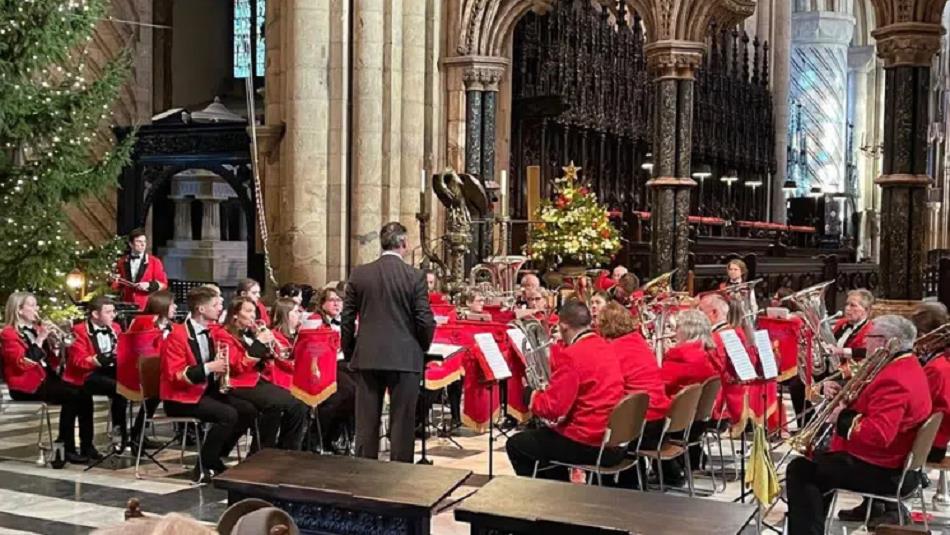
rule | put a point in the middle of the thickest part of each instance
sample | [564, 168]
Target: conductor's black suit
[391, 300]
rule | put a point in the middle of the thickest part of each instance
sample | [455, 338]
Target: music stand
[494, 369]
[436, 353]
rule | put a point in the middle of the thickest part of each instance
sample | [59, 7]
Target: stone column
[182, 230]
[819, 82]
[860, 61]
[781, 48]
[907, 49]
[473, 122]
[368, 130]
[413, 114]
[211, 219]
[673, 64]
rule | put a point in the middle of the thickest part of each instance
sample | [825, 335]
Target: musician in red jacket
[249, 352]
[732, 397]
[280, 371]
[90, 361]
[251, 289]
[586, 384]
[851, 330]
[927, 317]
[190, 382]
[138, 273]
[690, 361]
[872, 435]
[30, 371]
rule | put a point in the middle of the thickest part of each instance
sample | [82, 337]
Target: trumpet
[221, 351]
[57, 333]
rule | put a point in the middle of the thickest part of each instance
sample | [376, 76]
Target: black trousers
[75, 404]
[808, 481]
[403, 388]
[936, 455]
[544, 445]
[278, 411]
[339, 410]
[229, 417]
[102, 383]
[148, 406]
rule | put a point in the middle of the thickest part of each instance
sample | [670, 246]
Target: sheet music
[738, 355]
[440, 320]
[764, 344]
[492, 353]
[444, 351]
[517, 338]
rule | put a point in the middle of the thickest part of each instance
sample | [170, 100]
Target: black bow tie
[335, 322]
[27, 329]
[103, 330]
[135, 256]
[206, 333]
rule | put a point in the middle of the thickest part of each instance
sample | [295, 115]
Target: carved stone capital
[674, 59]
[903, 179]
[822, 28]
[480, 73]
[911, 44]
[269, 137]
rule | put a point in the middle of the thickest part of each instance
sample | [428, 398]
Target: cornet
[273, 346]
[221, 351]
[58, 334]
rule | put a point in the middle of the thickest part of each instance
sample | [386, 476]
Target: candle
[503, 195]
[422, 183]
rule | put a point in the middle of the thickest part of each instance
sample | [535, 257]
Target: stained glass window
[248, 37]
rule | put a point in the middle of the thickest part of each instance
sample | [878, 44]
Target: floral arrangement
[574, 226]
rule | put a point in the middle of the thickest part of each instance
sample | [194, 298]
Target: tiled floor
[38, 499]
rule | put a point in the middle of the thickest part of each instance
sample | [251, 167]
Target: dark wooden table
[519, 505]
[336, 494]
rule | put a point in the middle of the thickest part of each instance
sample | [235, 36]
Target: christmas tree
[573, 227]
[53, 111]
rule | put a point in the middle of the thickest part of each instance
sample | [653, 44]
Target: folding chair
[914, 462]
[625, 426]
[149, 372]
[42, 408]
[679, 419]
[704, 408]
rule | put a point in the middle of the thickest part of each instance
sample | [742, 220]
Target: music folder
[440, 351]
[493, 361]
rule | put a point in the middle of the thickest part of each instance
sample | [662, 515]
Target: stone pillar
[182, 219]
[473, 122]
[781, 48]
[211, 219]
[673, 65]
[368, 131]
[413, 114]
[819, 82]
[860, 61]
[907, 49]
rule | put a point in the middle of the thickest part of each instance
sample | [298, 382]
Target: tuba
[933, 343]
[813, 435]
[811, 303]
[536, 349]
[658, 286]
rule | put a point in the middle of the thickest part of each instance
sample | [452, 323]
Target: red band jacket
[151, 270]
[24, 364]
[83, 357]
[687, 363]
[641, 373]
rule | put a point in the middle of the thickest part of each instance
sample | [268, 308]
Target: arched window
[247, 37]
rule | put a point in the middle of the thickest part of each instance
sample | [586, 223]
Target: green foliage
[51, 107]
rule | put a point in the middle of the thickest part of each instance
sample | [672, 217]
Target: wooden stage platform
[348, 496]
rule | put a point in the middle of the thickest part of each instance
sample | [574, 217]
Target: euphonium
[932, 343]
[536, 350]
[814, 433]
[811, 303]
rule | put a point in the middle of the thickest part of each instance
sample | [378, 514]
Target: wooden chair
[913, 463]
[679, 419]
[625, 426]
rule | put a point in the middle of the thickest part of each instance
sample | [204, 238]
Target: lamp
[702, 171]
[754, 183]
[647, 164]
[76, 282]
[789, 186]
[730, 177]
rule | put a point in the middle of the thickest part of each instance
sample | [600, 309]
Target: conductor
[391, 300]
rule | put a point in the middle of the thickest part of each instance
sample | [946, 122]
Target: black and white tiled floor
[38, 499]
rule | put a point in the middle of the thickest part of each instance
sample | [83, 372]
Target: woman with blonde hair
[280, 371]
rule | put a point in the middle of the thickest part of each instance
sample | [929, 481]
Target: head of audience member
[286, 317]
[736, 271]
[618, 272]
[432, 281]
[291, 291]
[891, 328]
[242, 315]
[573, 319]
[615, 321]
[101, 311]
[693, 325]
[249, 288]
[779, 295]
[537, 299]
[138, 242]
[22, 309]
[395, 238]
[205, 304]
[474, 301]
[858, 306]
[161, 304]
[529, 282]
[715, 307]
[597, 303]
[330, 304]
[170, 524]
[928, 316]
